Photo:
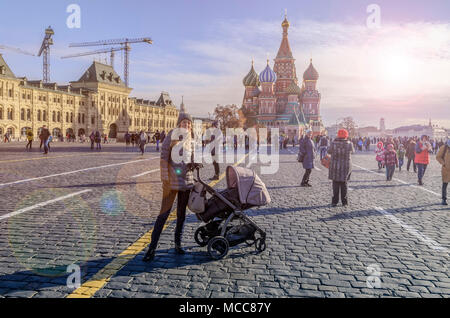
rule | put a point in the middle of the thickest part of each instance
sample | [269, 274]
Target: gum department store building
[99, 100]
[280, 102]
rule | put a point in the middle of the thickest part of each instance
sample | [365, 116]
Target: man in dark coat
[411, 154]
[307, 150]
[216, 176]
[340, 166]
[45, 134]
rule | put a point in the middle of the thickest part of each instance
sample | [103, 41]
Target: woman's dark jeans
[421, 168]
[166, 207]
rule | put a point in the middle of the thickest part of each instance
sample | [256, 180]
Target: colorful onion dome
[267, 76]
[285, 22]
[311, 74]
[293, 89]
[251, 79]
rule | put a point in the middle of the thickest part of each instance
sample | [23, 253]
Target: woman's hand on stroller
[194, 166]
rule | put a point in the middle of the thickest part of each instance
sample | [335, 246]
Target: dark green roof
[4, 69]
[101, 73]
[164, 100]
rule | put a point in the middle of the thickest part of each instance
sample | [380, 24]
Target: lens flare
[48, 239]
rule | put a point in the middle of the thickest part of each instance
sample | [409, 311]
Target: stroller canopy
[251, 189]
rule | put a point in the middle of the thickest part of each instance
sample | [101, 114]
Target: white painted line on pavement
[2, 217]
[317, 168]
[431, 243]
[425, 189]
[401, 181]
[73, 172]
[250, 162]
[144, 173]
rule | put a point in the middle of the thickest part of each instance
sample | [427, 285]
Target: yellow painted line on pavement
[102, 277]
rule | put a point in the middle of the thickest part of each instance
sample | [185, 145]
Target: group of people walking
[391, 153]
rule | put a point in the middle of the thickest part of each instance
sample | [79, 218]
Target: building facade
[99, 100]
[275, 98]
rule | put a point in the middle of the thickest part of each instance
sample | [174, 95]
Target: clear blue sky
[171, 24]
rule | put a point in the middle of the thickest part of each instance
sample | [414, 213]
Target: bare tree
[349, 124]
[228, 116]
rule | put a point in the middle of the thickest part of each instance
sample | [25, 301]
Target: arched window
[67, 117]
[1, 114]
[22, 114]
[39, 115]
[71, 117]
[56, 132]
[54, 116]
[23, 131]
[59, 117]
[28, 114]
[44, 115]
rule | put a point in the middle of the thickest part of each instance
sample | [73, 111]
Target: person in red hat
[340, 166]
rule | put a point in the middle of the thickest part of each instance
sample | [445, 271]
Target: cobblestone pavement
[81, 207]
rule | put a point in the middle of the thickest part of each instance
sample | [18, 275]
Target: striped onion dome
[293, 89]
[311, 74]
[267, 76]
[251, 79]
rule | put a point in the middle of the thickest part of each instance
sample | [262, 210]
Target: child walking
[390, 161]
[379, 151]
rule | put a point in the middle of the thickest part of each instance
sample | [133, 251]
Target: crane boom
[13, 49]
[125, 43]
[112, 42]
[94, 52]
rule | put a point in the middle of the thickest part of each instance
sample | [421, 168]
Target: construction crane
[45, 50]
[125, 46]
[109, 50]
[13, 49]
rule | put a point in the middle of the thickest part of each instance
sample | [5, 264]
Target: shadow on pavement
[373, 212]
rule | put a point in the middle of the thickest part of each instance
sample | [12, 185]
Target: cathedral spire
[285, 48]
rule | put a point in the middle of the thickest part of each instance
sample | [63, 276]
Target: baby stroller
[226, 224]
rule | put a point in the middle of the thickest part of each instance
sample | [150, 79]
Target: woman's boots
[150, 255]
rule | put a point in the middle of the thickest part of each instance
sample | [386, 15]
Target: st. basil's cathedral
[275, 98]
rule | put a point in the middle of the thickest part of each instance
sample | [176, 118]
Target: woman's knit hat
[343, 134]
[182, 117]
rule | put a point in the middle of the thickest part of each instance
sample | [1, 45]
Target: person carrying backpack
[401, 156]
[29, 138]
[422, 157]
[443, 157]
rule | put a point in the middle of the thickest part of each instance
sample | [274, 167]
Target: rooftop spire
[182, 108]
[285, 49]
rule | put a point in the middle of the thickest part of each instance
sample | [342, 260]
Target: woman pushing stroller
[177, 179]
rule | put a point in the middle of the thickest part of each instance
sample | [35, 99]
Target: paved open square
[96, 210]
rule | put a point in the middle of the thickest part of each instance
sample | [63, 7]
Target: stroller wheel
[260, 245]
[201, 236]
[218, 247]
